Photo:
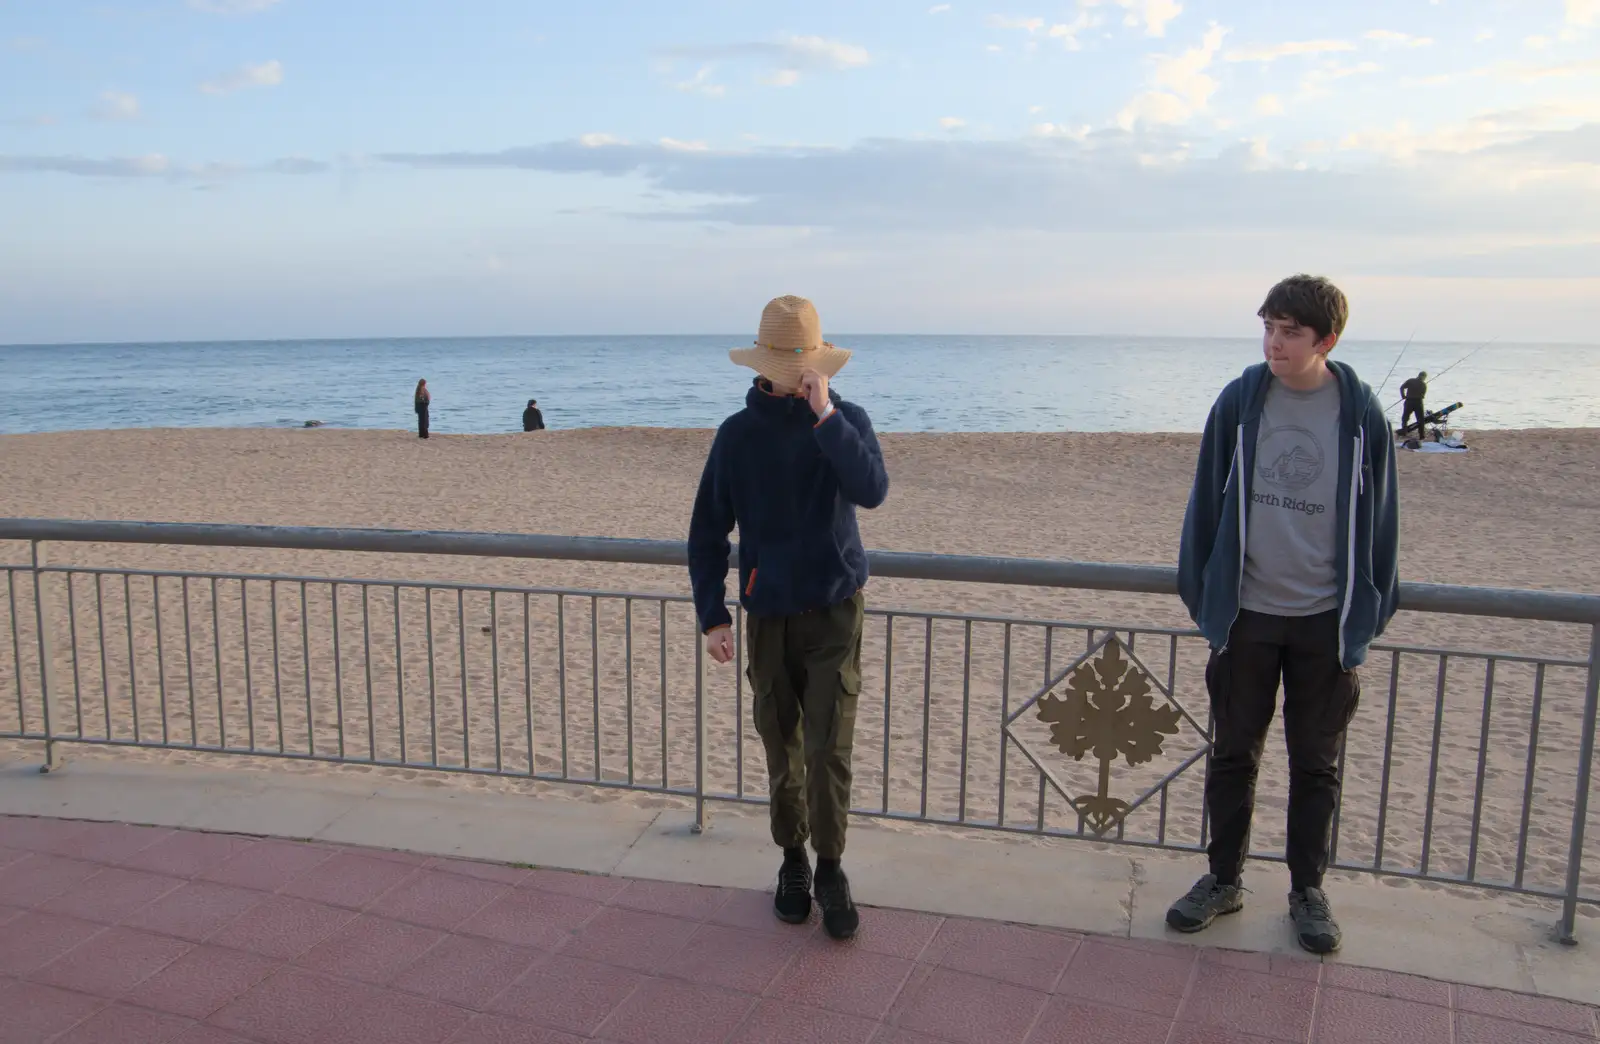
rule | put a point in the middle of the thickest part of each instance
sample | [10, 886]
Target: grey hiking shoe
[1206, 901]
[1314, 925]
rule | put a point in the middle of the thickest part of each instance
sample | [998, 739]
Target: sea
[908, 383]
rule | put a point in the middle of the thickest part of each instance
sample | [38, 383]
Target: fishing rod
[1397, 359]
[1446, 370]
[1464, 358]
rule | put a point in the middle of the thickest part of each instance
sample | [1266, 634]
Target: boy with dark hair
[1288, 566]
[790, 469]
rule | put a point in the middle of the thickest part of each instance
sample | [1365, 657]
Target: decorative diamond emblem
[1105, 705]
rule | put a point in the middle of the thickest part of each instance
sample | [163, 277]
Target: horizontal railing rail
[1459, 769]
[1512, 603]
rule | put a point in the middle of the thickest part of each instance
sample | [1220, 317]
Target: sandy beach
[1522, 509]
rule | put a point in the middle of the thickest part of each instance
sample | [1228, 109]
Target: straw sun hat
[789, 343]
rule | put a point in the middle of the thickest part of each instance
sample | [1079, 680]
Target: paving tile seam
[1183, 1000]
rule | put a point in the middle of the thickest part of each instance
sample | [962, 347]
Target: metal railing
[1470, 766]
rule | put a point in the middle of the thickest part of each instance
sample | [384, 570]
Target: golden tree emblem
[1108, 710]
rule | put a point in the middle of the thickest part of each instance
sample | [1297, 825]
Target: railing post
[699, 736]
[47, 667]
[1567, 931]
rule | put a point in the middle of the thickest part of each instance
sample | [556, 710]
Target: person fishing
[1413, 392]
[420, 402]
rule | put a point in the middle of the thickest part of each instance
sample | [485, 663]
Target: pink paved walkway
[138, 935]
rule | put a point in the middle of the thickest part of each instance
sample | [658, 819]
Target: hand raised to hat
[814, 386]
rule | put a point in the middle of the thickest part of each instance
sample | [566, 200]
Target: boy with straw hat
[789, 470]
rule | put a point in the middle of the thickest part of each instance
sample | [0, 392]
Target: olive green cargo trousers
[805, 672]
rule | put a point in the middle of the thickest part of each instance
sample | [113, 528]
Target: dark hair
[533, 402]
[1310, 301]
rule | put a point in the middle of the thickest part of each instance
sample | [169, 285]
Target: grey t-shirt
[1291, 529]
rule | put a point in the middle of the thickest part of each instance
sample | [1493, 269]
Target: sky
[256, 169]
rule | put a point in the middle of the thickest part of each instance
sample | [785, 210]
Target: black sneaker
[839, 914]
[792, 901]
[1314, 925]
[1206, 901]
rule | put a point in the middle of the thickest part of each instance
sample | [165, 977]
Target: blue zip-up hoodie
[792, 484]
[1211, 554]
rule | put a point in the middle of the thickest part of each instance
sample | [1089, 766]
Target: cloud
[116, 107]
[818, 51]
[232, 7]
[952, 123]
[1537, 261]
[938, 8]
[1555, 135]
[87, 167]
[1583, 13]
[674, 145]
[155, 165]
[1102, 181]
[1536, 43]
[1181, 86]
[266, 74]
[1484, 36]
[1153, 15]
[1316, 82]
[1293, 49]
[1269, 105]
[1061, 130]
[1027, 25]
[700, 83]
[42, 120]
[1067, 32]
[296, 165]
[1534, 73]
[1390, 38]
[1558, 147]
[787, 59]
[599, 141]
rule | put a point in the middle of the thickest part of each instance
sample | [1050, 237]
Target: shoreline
[1471, 433]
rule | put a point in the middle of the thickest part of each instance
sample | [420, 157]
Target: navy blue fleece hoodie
[792, 485]
[1211, 553]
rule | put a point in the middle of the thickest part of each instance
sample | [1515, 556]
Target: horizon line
[735, 339]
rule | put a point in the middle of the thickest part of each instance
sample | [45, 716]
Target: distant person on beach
[532, 419]
[421, 402]
[1413, 392]
[789, 470]
[1288, 566]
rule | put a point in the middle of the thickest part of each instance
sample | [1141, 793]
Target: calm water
[909, 383]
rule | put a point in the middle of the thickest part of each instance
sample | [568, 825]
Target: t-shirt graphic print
[1292, 525]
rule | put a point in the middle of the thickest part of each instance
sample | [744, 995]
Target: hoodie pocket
[769, 586]
[1366, 601]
